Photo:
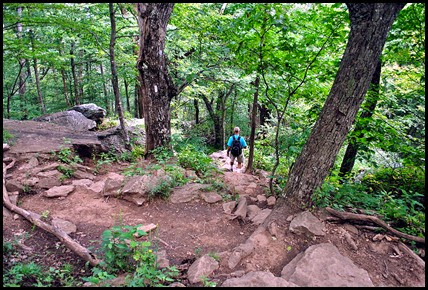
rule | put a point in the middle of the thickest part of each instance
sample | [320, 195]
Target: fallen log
[35, 219]
[367, 218]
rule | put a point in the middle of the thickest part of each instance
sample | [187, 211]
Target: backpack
[236, 149]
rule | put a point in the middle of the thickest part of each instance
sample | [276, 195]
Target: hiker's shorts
[240, 157]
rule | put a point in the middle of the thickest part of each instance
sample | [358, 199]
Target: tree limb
[367, 218]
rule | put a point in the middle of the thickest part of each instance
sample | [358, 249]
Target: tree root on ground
[367, 218]
[35, 219]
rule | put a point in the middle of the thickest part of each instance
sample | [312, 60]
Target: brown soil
[189, 230]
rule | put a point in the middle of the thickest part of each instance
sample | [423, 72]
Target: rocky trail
[197, 223]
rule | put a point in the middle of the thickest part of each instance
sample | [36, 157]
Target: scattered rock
[46, 167]
[323, 266]
[273, 229]
[378, 237]
[66, 226]
[271, 200]
[290, 218]
[33, 162]
[210, 197]
[82, 183]
[253, 210]
[240, 252]
[58, 191]
[306, 223]
[252, 185]
[261, 198]
[91, 111]
[71, 119]
[135, 185]
[241, 209]
[46, 183]
[13, 197]
[136, 199]
[83, 175]
[16, 216]
[351, 228]
[113, 183]
[204, 266]
[350, 240]
[97, 187]
[381, 248]
[31, 181]
[176, 284]
[257, 279]
[261, 216]
[50, 173]
[14, 185]
[161, 259]
[146, 228]
[190, 174]
[186, 192]
[228, 207]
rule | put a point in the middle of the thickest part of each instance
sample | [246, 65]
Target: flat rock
[252, 185]
[261, 198]
[323, 266]
[306, 223]
[83, 175]
[257, 279]
[66, 226]
[146, 228]
[211, 197]
[97, 187]
[14, 185]
[135, 185]
[228, 207]
[204, 266]
[261, 216]
[32, 162]
[253, 210]
[46, 183]
[50, 173]
[241, 209]
[161, 259]
[71, 119]
[58, 191]
[186, 192]
[82, 183]
[136, 199]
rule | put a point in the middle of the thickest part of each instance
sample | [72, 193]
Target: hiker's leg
[232, 160]
[240, 160]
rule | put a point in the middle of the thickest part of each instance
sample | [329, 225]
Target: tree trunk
[67, 100]
[370, 24]
[80, 76]
[114, 79]
[196, 105]
[253, 126]
[157, 87]
[136, 111]
[128, 106]
[106, 101]
[73, 70]
[22, 62]
[36, 75]
[232, 113]
[264, 114]
[368, 110]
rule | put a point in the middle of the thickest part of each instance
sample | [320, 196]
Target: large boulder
[112, 138]
[113, 184]
[323, 266]
[71, 119]
[91, 111]
[257, 279]
[186, 192]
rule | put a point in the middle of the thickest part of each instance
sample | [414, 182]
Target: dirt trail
[190, 229]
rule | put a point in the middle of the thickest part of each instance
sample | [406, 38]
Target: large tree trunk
[114, 80]
[136, 111]
[37, 77]
[370, 24]
[368, 110]
[73, 71]
[253, 126]
[156, 84]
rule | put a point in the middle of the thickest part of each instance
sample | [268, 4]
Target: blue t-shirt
[243, 144]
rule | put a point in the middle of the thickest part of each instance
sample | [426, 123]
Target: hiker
[234, 148]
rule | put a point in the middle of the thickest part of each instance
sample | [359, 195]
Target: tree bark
[157, 87]
[22, 62]
[264, 114]
[136, 111]
[73, 70]
[249, 168]
[114, 80]
[370, 23]
[36, 75]
[196, 105]
[368, 110]
[106, 101]
[128, 106]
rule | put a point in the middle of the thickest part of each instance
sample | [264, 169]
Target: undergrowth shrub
[190, 157]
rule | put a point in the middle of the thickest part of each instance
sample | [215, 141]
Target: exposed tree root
[35, 219]
[367, 218]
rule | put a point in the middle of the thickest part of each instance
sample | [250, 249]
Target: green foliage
[207, 282]
[137, 152]
[191, 157]
[26, 275]
[67, 172]
[162, 154]
[133, 170]
[162, 188]
[98, 276]
[6, 136]
[66, 155]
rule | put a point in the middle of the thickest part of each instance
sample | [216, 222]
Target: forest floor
[191, 229]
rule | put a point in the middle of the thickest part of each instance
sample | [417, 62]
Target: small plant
[133, 170]
[162, 188]
[137, 152]
[98, 276]
[215, 256]
[207, 282]
[6, 136]
[22, 275]
[45, 214]
[25, 188]
[162, 154]
[66, 171]
[66, 155]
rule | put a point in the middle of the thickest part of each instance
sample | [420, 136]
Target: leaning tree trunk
[114, 80]
[370, 105]
[253, 127]
[370, 23]
[156, 84]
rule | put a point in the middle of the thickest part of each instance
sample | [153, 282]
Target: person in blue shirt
[231, 150]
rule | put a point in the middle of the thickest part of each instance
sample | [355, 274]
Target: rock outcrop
[91, 111]
[257, 279]
[71, 119]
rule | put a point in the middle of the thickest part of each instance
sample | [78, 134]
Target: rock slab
[257, 279]
[323, 266]
[58, 191]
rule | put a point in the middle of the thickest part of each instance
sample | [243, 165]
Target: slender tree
[36, 75]
[370, 23]
[114, 79]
